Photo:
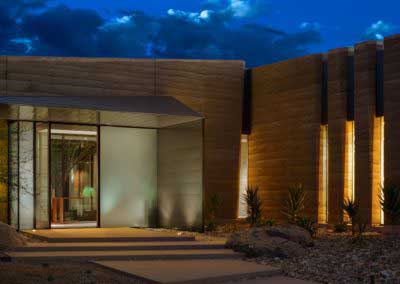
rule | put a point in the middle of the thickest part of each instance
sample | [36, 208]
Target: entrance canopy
[128, 111]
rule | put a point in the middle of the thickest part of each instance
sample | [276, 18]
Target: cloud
[222, 29]
[63, 30]
[378, 30]
[315, 26]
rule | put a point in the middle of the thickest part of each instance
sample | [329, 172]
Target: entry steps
[90, 250]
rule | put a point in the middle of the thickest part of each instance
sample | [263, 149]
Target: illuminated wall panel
[349, 190]
[128, 177]
[244, 175]
[378, 169]
[180, 176]
[323, 176]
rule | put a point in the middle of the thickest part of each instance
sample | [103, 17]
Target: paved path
[162, 256]
[192, 271]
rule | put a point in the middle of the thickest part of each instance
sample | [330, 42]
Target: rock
[9, 237]
[292, 233]
[279, 241]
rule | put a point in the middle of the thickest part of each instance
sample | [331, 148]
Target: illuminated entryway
[134, 162]
[73, 175]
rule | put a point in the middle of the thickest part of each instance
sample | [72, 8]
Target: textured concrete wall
[3, 171]
[392, 109]
[53, 76]
[367, 132]
[180, 176]
[3, 74]
[213, 88]
[284, 143]
[337, 117]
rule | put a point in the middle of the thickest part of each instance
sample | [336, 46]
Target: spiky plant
[294, 203]
[254, 205]
[308, 224]
[390, 202]
[350, 207]
[213, 206]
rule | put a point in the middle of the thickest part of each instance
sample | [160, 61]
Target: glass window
[13, 171]
[73, 176]
[26, 215]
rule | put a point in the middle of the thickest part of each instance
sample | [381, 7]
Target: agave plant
[254, 205]
[390, 202]
[294, 203]
[214, 204]
[350, 207]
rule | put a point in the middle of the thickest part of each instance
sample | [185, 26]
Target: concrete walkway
[191, 271]
[159, 256]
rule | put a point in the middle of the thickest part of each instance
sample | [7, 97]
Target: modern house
[98, 142]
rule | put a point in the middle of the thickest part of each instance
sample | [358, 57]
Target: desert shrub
[308, 224]
[358, 223]
[254, 205]
[267, 222]
[213, 206]
[390, 202]
[340, 227]
[294, 203]
[351, 209]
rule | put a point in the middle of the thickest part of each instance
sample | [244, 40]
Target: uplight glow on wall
[244, 172]
[323, 176]
[349, 191]
[382, 164]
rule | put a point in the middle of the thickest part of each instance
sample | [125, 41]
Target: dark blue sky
[257, 31]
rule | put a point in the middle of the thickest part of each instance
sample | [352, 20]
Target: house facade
[98, 142]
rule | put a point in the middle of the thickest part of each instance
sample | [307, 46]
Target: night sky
[257, 31]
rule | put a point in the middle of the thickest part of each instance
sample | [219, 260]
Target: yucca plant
[254, 205]
[350, 207]
[294, 203]
[308, 224]
[390, 202]
[213, 206]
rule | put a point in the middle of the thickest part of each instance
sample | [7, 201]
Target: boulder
[292, 233]
[10, 238]
[274, 241]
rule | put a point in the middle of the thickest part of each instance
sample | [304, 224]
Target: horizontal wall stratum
[284, 143]
[53, 76]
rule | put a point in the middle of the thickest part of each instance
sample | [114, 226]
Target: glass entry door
[73, 175]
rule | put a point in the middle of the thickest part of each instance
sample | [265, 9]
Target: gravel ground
[60, 273]
[336, 258]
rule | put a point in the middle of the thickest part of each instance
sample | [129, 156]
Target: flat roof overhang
[127, 111]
